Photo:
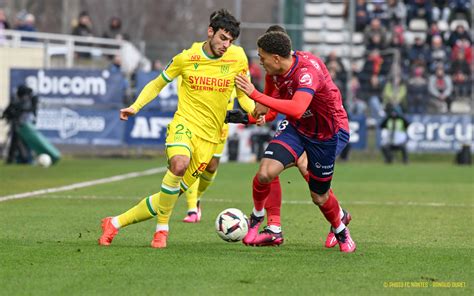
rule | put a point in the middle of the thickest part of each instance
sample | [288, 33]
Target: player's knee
[213, 165]
[264, 176]
[320, 199]
[319, 191]
[179, 165]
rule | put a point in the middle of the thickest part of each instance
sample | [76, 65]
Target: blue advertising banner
[81, 126]
[168, 97]
[438, 133]
[72, 87]
[147, 128]
[358, 131]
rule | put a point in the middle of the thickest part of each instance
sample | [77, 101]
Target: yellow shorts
[222, 141]
[180, 140]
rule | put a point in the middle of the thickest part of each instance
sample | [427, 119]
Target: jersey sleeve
[308, 81]
[154, 87]
[244, 101]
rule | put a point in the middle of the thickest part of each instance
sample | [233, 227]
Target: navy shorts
[321, 154]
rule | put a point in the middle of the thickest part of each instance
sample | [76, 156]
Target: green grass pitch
[412, 225]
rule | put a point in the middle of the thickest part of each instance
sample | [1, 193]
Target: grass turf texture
[411, 224]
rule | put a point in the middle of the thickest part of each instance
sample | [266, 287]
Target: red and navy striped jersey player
[316, 123]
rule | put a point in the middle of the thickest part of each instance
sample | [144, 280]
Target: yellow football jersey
[206, 86]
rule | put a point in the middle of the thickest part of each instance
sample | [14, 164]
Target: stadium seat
[357, 38]
[443, 26]
[458, 22]
[314, 9]
[335, 9]
[335, 24]
[334, 38]
[418, 25]
[312, 37]
[315, 23]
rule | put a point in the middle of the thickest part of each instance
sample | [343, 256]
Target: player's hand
[261, 120]
[126, 112]
[236, 116]
[259, 110]
[244, 84]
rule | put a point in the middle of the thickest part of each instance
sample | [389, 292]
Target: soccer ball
[232, 225]
[44, 160]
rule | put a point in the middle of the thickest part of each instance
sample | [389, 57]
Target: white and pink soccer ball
[232, 225]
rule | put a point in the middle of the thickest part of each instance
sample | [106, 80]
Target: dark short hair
[223, 19]
[275, 43]
[276, 28]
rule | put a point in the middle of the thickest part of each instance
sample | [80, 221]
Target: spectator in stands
[395, 92]
[27, 24]
[461, 75]
[376, 42]
[84, 29]
[372, 66]
[460, 9]
[434, 30]
[379, 11]
[334, 63]
[355, 104]
[116, 68]
[375, 28]
[465, 46]
[440, 88]
[441, 10]
[361, 15]
[394, 135]
[372, 92]
[3, 20]
[115, 29]
[458, 34]
[439, 54]
[419, 53]
[84, 25]
[396, 12]
[419, 9]
[417, 98]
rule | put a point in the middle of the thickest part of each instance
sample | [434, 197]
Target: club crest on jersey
[225, 69]
[306, 79]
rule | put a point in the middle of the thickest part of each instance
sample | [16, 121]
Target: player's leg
[208, 177]
[192, 203]
[282, 152]
[202, 152]
[148, 206]
[321, 160]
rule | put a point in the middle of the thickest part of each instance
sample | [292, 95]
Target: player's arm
[154, 87]
[294, 108]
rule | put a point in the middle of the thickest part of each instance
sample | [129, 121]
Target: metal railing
[61, 45]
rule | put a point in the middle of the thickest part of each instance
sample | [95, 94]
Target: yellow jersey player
[208, 70]
[194, 193]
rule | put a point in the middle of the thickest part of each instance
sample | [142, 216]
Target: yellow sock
[144, 210]
[192, 196]
[168, 195]
[205, 180]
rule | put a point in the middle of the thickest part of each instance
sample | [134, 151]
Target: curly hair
[276, 28]
[275, 43]
[223, 19]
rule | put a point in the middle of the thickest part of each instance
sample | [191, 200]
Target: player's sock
[274, 228]
[192, 197]
[168, 195]
[330, 210]
[205, 180]
[144, 210]
[273, 203]
[259, 193]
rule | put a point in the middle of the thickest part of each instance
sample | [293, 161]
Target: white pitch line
[290, 202]
[83, 184]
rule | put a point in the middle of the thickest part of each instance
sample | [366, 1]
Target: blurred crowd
[423, 75]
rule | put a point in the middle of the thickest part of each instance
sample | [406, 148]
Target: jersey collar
[207, 55]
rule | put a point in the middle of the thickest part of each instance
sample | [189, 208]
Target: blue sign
[167, 100]
[438, 133]
[72, 87]
[147, 128]
[358, 131]
[80, 126]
